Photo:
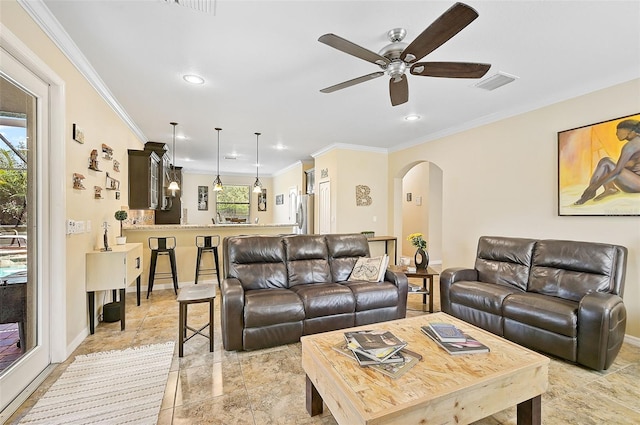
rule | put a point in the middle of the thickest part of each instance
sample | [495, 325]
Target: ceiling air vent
[495, 81]
[207, 6]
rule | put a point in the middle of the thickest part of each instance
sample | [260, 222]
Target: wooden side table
[426, 276]
[113, 270]
[192, 295]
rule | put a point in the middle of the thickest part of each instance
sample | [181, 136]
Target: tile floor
[267, 386]
[9, 350]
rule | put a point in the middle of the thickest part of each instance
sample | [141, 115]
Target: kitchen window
[232, 204]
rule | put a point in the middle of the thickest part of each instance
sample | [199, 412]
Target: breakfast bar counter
[186, 250]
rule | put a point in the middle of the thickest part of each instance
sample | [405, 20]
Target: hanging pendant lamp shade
[173, 186]
[217, 183]
[257, 186]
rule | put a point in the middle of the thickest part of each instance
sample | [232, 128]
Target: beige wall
[348, 168]
[191, 181]
[282, 182]
[501, 179]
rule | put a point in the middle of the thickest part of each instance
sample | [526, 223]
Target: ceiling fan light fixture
[193, 79]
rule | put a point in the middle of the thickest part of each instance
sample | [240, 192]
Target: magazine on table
[469, 346]
[343, 347]
[394, 369]
[377, 345]
[447, 332]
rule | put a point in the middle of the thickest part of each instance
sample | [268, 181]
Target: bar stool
[162, 246]
[193, 295]
[207, 244]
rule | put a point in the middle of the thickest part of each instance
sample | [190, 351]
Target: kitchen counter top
[202, 226]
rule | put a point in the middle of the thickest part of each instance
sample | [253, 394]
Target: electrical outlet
[80, 226]
[71, 226]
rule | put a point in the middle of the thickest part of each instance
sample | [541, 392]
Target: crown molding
[348, 146]
[41, 14]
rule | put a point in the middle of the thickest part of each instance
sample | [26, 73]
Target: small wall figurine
[97, 192]
[116, 166]
[93, 160]
[111, 183]
[107, 152]
[77, 181]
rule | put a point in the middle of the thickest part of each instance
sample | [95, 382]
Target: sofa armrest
[401, 282]
[447, 278]
[602, 320]
[232, 313]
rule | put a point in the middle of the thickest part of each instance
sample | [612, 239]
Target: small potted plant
[421, 258]
[121, 215]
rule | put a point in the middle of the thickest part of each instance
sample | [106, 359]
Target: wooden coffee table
[440, 389]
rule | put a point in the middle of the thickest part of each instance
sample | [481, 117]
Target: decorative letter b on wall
[362, 196]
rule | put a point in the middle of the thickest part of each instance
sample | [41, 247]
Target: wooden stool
[162, 246]
[207, 244]
[193, 295]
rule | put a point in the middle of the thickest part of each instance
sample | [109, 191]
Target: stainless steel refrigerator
[304, 215]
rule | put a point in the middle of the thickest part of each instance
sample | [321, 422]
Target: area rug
[113, 387]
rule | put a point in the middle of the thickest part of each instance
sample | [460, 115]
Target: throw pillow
[369, 269]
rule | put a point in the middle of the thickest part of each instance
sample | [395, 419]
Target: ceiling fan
[395, 58]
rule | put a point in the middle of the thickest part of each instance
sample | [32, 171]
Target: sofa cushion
[504, 261]
[570, 269]
[481, 296]
[369, 269]
[344, 251]
[307, 259]
[265, 307]
[256, 261]
[372, 295]
[324, 299]
[544, 312]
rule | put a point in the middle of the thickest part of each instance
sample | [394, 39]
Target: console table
[386, 240]
[113, 270]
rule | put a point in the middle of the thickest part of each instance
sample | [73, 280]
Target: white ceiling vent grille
[495, 81]
[207, 6]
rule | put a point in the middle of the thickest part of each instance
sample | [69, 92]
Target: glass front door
[24, 332]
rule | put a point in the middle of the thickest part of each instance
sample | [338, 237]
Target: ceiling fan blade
[353, 82]
[399, 91]
[442, 29]
[450, 69]
[353, 49]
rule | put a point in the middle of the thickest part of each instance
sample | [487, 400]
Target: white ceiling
[264, 68]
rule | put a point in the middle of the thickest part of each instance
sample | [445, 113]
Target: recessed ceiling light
[412, 117]
[280, 147]
[193, 79]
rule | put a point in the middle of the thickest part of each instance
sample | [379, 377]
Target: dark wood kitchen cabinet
[144, 174]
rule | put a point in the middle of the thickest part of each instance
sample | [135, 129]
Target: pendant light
[257, 186]
[173, 186]
[217, 183]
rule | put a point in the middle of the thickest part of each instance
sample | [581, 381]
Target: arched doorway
[418, 207]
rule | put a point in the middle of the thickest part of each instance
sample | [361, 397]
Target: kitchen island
[186, 250]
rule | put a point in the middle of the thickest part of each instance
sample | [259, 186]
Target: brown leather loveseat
[563, 298]
[278, 288]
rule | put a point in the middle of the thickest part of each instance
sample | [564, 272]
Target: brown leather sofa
[278, 288]
[563, 298]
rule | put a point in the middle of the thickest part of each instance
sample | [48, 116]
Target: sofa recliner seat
[560, 297]
[279, 288]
